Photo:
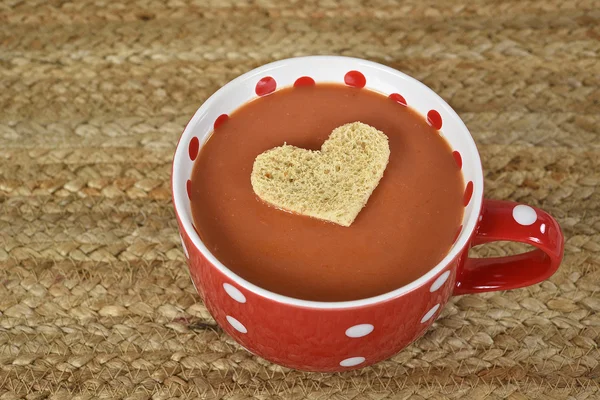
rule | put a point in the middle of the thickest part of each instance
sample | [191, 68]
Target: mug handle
[506, 220]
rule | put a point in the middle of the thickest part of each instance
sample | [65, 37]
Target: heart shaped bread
[331, 184]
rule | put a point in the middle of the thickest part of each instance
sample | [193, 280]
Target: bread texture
[332, 184]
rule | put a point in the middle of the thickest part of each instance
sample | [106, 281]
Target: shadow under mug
[338, 336]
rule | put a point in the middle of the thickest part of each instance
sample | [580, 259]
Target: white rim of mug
[468, 228]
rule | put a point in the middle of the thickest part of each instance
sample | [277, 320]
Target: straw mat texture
[95, 297]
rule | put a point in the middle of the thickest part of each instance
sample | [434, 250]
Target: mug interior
[329, 69]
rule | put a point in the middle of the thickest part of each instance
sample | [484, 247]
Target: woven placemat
[95, 297]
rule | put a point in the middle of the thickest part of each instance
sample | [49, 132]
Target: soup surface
[407, 227]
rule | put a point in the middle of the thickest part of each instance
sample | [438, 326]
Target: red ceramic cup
[337, 336]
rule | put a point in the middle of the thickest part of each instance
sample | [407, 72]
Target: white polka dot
[430, 313]
[524, 215]
[234, 293]
[352, 361]
[480, 218]
[439, 281]
[361, 330]
[185, 251]
[543, 228]
[237, 325]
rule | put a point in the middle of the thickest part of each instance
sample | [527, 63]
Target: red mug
[338, 336]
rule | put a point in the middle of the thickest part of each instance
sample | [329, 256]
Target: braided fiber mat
[95, 296]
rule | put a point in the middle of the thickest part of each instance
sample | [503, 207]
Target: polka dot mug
[338, 336]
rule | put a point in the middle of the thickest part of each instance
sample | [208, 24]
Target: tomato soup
[407, 227]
